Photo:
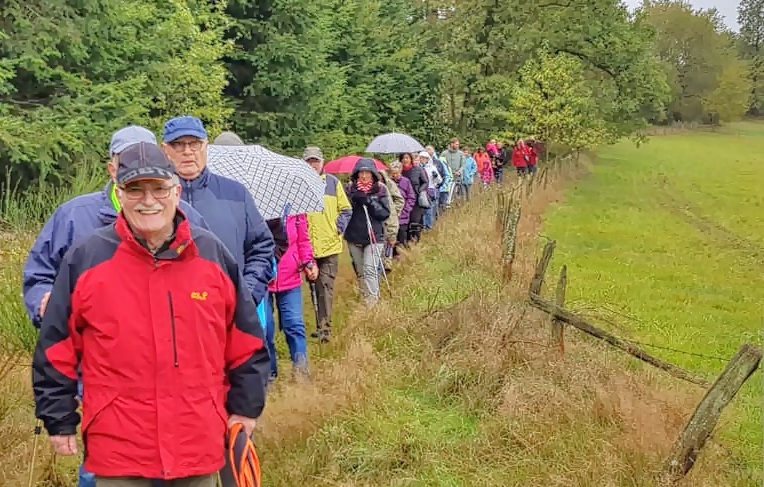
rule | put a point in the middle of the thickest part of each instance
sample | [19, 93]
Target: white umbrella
[394, 143]
[276, 182]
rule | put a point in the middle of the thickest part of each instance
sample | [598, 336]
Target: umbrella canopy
[276, 182]
[345, 165]
[394, 143]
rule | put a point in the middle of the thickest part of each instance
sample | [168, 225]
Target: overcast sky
[728, 8]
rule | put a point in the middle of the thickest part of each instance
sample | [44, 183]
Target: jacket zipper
[172, 322]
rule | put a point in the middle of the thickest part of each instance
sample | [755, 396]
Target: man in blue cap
[226, 205]
[75, 219]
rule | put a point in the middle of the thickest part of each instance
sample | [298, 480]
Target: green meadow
[665, 245]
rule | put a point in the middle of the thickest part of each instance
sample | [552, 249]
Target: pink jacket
[298, 255]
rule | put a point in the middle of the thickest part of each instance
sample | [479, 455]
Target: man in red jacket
[166, 331]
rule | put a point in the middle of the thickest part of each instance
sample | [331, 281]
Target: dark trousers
[416, 220]
[403, 238]
[327, 273]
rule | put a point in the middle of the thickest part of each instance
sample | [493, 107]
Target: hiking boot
[325, 336]
[300, 374]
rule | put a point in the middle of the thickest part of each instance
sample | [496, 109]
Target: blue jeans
[429, 217]
[86, 479]
[292, 323]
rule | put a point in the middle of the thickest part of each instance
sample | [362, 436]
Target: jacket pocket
[94, 406]
[218, 402]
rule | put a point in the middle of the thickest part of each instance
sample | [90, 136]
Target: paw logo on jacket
[199, 296]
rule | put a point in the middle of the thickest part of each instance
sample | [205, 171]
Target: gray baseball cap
[144, 160]
[128, 136]
[313, 152]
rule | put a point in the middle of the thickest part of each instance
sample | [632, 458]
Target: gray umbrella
[394, 143]
[276, 182]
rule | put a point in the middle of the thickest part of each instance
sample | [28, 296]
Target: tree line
[288, 73]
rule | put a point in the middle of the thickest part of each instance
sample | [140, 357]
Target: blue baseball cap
[184, 126]
[125, 137]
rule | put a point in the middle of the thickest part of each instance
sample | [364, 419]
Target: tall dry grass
[473, 349]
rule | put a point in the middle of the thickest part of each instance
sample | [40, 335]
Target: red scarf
[407, 166]
[364, 187]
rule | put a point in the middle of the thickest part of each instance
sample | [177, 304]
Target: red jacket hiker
[534, 156]
[169, 344]
[520, 155]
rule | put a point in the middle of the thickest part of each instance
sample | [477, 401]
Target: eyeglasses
[180, 146]
[135, 193]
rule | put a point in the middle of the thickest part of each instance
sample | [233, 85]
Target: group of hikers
[155, 296]
[429, 183]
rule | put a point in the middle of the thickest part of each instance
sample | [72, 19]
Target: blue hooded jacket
[231, 213]
[77, 218]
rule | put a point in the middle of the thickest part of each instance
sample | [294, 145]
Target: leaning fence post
[702, 423]
[538, 276]
[557, 326]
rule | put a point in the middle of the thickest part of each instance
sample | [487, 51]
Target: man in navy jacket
[226, 205]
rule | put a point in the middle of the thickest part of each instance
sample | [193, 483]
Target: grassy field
[665, 243]
[449, 382]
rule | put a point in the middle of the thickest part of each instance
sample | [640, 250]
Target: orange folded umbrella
[242, 468]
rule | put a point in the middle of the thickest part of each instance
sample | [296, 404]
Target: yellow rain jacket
[326, 227]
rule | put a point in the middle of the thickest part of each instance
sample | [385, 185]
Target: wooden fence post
[706, 416]
[538, 276]
[557, 325]
[509, 238]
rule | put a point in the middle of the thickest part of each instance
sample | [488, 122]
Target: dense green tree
[694, 50]
[287, 73]
[72, 72]
[751, 20]
[554, 102]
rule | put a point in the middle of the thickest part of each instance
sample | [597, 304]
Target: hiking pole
[451, 193]
[376, 253]
[37, 431]
[314, 299]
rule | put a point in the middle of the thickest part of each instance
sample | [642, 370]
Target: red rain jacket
[169, 346]
[519, 154]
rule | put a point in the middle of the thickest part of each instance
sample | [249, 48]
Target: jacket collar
[180, 246]
[108, 211]
[200, 182]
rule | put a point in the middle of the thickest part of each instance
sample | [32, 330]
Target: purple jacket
[407, 191]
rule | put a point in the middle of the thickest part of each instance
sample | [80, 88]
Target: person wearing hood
[433, 183]
[414, 172]
[468, 174]
[409, 198]
[225, 204]
[76, 219]
[365, 232]
[392, 225]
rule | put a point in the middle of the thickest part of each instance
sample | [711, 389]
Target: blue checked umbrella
[276, 182]
[394, 143]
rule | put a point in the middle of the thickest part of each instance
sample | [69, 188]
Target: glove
[360, 198]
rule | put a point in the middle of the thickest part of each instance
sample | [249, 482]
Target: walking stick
[314, 299]
[376, 252]
[37, 431]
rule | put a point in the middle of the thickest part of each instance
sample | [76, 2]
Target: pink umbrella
[345, 165]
